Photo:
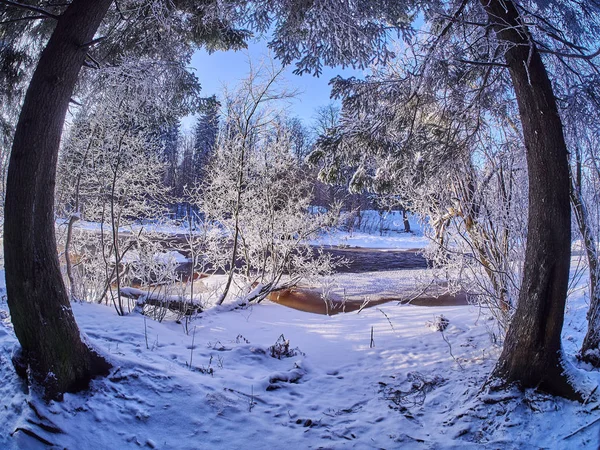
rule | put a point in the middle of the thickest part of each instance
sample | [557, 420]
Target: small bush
[281, 349]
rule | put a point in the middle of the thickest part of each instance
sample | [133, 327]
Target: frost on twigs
[439, 323]
[255, 199]
[111, 173]
[410, 392]
[281, 349]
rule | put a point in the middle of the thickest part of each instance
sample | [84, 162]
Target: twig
[19, 19]
[93, 42]
[146, 332]
[30, 8]
[251, 404]
[365, 303]
[33, 435]
[450, 348]
[52, 428]
[388, 319]
[192, 349]
[582, 428]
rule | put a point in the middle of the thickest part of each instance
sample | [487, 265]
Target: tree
[43, 321]
[579, 103]
[582, 135]
[456, 64]
[532, 352]
[39, 305]
[299, 137]
[205, 138]
[254, 192]
[590, 348]
[112, 163]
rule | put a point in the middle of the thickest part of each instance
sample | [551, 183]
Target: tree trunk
[532, 354]
[37, 298]
[405, 220]
[74, 295]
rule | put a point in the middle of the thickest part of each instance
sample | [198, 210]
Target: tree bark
[532, 354]
[50, 340]
[74, 296]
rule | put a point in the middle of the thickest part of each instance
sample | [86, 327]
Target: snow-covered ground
[389, 240]
[219, 387]
[382, 231]
[382, 378]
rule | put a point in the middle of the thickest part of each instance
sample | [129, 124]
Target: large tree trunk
[37, 298]
[532, 349]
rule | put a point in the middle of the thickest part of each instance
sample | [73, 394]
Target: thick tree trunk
[532, 349]
[37, 298]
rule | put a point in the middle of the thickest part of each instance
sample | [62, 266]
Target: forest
[415, 265]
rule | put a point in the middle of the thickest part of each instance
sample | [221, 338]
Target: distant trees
[254, 194]
[170, 143]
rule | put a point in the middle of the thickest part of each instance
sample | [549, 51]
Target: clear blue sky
[214, 70]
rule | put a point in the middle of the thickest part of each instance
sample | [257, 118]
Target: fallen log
[171, 302]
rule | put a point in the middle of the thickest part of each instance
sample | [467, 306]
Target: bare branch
[483, 63]
[588, 57]
[30, 8]
[19, 19]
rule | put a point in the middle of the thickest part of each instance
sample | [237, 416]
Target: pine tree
[206, 131]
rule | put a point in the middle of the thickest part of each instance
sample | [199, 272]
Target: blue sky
[213, 70]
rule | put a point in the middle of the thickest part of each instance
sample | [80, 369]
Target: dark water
[373, 260]
[358, 260]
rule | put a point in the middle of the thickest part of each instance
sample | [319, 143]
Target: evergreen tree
[206, 131]
[170, 140]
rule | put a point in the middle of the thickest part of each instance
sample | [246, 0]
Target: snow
[382, 378]
[381, 231]
[393, 240]
[171, 257]
[336, 392]
[160, 227]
